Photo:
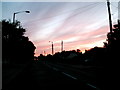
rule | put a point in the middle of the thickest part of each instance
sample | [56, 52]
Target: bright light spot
[95, 25]
[97, 43]
[71, 39]
[97, 36]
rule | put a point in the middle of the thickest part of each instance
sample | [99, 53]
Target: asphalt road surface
[38, 76]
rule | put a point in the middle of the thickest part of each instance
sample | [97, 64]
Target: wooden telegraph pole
[109, 13]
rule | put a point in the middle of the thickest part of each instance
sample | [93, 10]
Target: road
[39, 76]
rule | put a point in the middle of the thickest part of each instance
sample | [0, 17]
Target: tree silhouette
[16, 47]
[113, 38]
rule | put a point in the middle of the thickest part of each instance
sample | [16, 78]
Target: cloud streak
[81, 25]
[75, 41]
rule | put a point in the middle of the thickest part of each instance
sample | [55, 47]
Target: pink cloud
[85, 38]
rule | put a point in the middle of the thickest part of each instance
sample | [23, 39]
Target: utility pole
[109, 13]
[61, 46]
[44, 53]
[118, 24]
[52, 47]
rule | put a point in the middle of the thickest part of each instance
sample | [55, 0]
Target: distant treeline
[106, 55]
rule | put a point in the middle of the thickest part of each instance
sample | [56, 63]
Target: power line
[37, 20]
[79, 12]
[82, 11]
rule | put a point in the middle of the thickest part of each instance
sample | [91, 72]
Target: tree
[16, 47]
[113, 45]
[113, 37]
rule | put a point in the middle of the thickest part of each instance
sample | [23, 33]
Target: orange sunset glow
[80, 25]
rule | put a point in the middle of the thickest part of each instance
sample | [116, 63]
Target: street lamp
[17, 13]
[52, 47]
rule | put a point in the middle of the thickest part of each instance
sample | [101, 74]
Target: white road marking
[69, 76]
[93, 86]
[76, 79]
[72, 77]
[55, 69]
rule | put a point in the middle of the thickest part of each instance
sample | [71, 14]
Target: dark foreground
[38, 76]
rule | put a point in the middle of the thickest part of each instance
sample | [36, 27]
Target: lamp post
[17, 13]
[52, 47]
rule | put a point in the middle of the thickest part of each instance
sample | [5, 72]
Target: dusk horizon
[80, 25]
[60, 45]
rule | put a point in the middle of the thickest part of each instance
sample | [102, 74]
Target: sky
[81, 25]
